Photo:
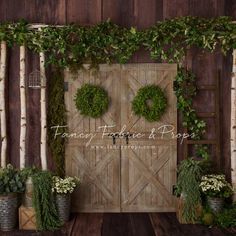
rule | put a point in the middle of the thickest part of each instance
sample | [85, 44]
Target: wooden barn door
[148, 165]
[98, 168]
[137, 176]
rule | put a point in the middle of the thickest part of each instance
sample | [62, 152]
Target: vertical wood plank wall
[125, 13]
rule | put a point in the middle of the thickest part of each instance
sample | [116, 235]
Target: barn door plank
[87, 225]
[148, 167]
[84, 12]
[97, 165]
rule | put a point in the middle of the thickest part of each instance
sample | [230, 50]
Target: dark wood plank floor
[126, 224]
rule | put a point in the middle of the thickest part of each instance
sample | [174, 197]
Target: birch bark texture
[233, 125]
[43, 144]
[22, 108]
[3, 104]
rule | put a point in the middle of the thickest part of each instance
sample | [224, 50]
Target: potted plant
[227, 217]
[187, 188]
[216, 189]
[11, 183]
[63, 187]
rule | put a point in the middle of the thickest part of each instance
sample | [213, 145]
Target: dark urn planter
[8, 211]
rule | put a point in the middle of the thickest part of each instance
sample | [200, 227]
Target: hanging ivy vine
[73, 45]
[185, 90]
[44, 204]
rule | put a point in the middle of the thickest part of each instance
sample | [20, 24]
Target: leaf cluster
[185, 90]
[169, 40]
[189, 177]
[157, 98]
[11, 180]
[43, 202]
[74, 45]
[226, 218]
[91, 100]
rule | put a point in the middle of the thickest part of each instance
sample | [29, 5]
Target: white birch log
[2, 103]
[43, 146]
[22, 107]
[233, 126]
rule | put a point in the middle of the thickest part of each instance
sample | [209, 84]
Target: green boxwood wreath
[91, 100]
[157, 106]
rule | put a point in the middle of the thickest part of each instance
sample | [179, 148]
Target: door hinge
[175, 85]
[66, 86]
[173, 189]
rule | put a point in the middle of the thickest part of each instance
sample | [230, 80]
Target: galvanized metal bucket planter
[8, 211]
[216, 204]
[63, 205]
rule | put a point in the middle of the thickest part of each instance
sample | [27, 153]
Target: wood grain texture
[27, 218]
[206, 67]
[46, 11]
[87, 225]
[2, 10]
[175, 8]
[98, 168]
[225, 108]
[33, 115]
[230, 8]
[84, 11]
[149, 172]
[135, 76]
[14, 10]
[167, 224]
[148, 177]
[146, 174]
[99, 171]
[213, 8]
[112, 9]
[13, 128]
[140, 14]
[128, 224]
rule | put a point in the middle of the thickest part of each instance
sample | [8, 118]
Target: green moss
[56, 115]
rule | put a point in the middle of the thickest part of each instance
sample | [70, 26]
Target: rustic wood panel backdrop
[125, 13]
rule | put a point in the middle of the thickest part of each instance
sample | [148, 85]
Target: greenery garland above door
[72, 45]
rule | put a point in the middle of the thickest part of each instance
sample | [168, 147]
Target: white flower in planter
[215, 186]
[64, 186]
